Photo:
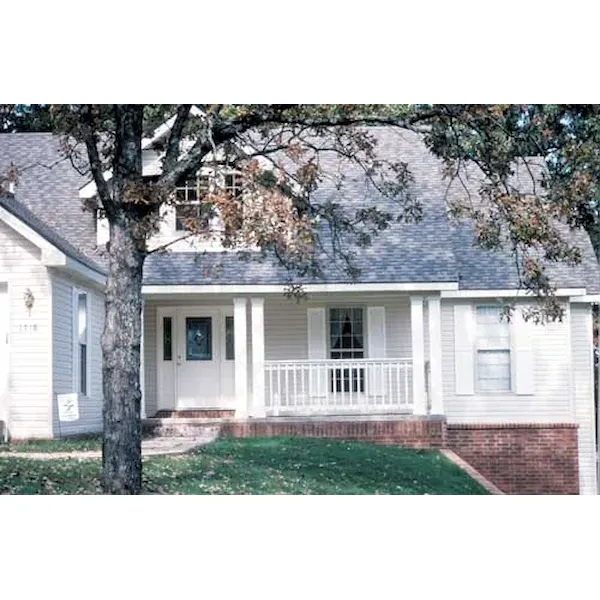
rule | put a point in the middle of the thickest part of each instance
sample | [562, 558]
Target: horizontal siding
[285, 327]
[90, 405]
[552, 399]
[29, 336]
[583, 381]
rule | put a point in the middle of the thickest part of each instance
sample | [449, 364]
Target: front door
[198, 358]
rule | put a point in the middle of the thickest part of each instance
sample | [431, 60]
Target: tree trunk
[121, 450]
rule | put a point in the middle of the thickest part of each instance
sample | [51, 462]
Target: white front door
[204, 367]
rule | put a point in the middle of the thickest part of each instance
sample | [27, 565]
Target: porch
[336, 354]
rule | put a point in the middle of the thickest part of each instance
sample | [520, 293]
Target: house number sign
[27, 327]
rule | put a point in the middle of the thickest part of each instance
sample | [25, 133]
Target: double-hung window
[493, 360]
[81, 327]
[347, 342]
[190, 213]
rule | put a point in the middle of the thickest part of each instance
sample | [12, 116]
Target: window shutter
[317, 350]
[464, 349]
[376, 349]
[523, 359]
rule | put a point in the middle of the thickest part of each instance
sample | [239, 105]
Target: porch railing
[338, 386]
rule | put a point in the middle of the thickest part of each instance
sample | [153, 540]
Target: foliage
[25, 118]
[539, 171]
[258, 466]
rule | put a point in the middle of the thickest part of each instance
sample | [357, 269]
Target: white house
[415, 338]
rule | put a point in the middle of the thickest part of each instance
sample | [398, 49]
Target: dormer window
[189, 194]
[190, 210]
[233, 184]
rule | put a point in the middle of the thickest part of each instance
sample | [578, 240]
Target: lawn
[255, 466]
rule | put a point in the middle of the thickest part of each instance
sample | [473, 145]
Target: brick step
[199, 413]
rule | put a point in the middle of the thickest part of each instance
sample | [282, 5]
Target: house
[411, 351]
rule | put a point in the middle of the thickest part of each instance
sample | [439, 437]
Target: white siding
[583, 381]
[90, 405]
[30, 374]
[551, 401]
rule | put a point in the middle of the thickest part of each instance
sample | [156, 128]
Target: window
[198, 338]
[233, 184]
[190, 213]
[81, 328]
[167, 338]
[229, 339]
[493, 351]
[347, 342]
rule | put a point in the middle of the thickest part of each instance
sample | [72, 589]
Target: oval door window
[198, 338]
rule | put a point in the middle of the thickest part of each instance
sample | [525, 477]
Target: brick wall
[521, 458]
[410, 433]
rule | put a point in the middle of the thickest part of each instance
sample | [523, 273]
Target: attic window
[189, 194]
[233, 184]
[190, 210]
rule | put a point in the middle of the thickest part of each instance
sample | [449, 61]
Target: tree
[277, 149]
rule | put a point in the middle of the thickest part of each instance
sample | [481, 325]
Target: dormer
[189, 212]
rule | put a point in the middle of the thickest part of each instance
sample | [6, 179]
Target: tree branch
[90, 138]
[173, 145]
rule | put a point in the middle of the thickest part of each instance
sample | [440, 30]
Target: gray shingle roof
[49, 187]
[24, 214]
[430, 251]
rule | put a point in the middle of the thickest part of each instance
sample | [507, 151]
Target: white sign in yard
[68, 407]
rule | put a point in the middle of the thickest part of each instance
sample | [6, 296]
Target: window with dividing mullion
[346, 342]
[190, 213]
[493, 360]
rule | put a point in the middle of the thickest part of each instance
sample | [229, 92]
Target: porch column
[435, 355]
[240, 329]
[258, 357]
[418, 355]
[142, 368]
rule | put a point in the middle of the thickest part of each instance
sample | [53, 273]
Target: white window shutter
[523, 357]
[376, 349]
[317, 350]
[464, 349]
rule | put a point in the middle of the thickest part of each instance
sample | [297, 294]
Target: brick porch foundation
[521, 458]
[413, 433]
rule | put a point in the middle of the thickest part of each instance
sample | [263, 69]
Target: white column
[418, 355]
[435, 355]
[142, 368]
[240, 328]
[258, 357]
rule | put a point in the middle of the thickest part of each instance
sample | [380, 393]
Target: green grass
[71, 444]
[258, 466]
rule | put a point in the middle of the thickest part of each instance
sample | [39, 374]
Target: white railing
[338, 386]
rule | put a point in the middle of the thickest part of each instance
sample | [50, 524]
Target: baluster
[406, 398]
[295, 386]
[388, 391]
[397, 393]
